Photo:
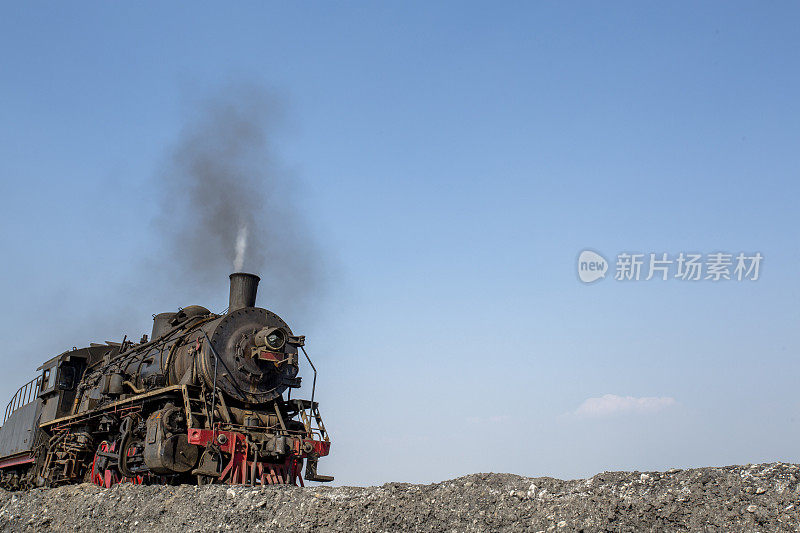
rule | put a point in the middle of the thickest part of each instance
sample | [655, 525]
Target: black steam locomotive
[206, 399]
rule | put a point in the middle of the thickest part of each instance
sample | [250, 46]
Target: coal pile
[762, 497]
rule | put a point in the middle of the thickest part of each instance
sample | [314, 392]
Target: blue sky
[453, 160]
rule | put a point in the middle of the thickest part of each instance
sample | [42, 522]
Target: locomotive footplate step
[311, 470]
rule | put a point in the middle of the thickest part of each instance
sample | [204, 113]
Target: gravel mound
[736, 498]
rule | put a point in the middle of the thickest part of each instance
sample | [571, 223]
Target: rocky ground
[737, 498]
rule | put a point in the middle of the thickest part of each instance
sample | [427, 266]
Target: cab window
[48, 379]
[66, 378]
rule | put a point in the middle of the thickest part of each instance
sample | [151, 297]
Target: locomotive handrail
[314, 384]
[164, 338]
[24, 395]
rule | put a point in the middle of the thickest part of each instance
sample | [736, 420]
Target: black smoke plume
[228, 206]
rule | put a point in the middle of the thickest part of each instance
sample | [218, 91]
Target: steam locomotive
[206, 399]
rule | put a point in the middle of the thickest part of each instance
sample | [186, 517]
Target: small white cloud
[611, 404]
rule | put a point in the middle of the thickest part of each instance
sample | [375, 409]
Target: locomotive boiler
[206, 399]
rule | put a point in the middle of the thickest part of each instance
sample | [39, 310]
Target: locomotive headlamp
[272, 338]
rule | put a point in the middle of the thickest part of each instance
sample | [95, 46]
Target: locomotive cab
[59, 378]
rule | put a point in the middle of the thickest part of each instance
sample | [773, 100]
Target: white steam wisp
[241, 248]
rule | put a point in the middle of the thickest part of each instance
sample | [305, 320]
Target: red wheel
[136, 480]
[107, 477]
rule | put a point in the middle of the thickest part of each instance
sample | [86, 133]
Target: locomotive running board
[113, 405]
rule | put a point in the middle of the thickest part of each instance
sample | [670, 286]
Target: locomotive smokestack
[243, 291]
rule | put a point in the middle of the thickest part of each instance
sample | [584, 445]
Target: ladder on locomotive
[196, 408]
[308, 419]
